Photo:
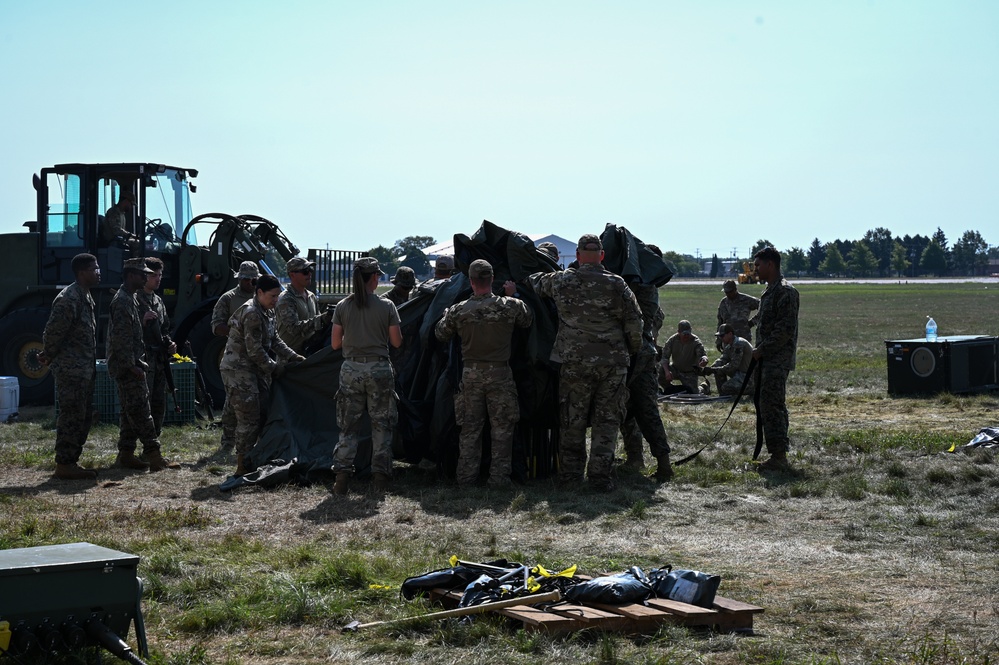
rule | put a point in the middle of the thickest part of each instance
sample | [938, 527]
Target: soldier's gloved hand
[297, 359]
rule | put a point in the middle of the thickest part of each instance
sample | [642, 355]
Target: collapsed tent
[301, 421]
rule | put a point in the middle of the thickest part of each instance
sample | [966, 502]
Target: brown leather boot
[240, 465]
[127, 460]
[380, 482]
[157, 462]
[74, 472]
[664, 470]
[342, 483]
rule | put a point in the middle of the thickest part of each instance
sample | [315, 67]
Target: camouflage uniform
[155, 335]
[730, 370]
[643, 419]
[298, 319]
[397, 294]
[367, 383]
[736, 314]
[247, 368]
[777, 343]
[227, 304]
[683, 359]
[600, 326]
[70, 343]
[114, 224]
[485, 324]
[126, 350]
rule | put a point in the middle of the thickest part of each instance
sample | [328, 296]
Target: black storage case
[954, 364]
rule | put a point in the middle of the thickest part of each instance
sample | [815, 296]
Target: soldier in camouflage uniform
[363, 327]
[227, 304]
[643, 419]
[69, 347]
[128, 367]
[254, 354]
[156, 336]
[735, 309]
[485, 324]
[776, 352]
[299, 322]
[550, 249]
[600, 327]
[403, 281]
[684, 358]
[115, 222]
[730, 370]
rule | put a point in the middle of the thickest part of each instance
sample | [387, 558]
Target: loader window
[62, 222]
[169, 202]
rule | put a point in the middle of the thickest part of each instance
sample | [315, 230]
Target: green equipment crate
[108, 408]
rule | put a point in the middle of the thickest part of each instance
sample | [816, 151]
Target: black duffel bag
[685, 586]
[627, 587]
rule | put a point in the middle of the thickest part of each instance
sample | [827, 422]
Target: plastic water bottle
[931, 330]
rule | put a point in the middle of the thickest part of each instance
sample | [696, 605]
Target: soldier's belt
[366, 359]
[485, 364]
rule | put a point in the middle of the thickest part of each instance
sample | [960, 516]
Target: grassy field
[879, 548]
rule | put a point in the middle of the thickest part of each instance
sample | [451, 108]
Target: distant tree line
[406, 251]
[878, 254]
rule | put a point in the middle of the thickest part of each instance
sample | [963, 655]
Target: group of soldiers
[685, 359]
[605, 348]
[138, 350]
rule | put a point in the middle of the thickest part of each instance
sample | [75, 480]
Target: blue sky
[700, 125]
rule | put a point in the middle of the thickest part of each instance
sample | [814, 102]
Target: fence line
[334, 268]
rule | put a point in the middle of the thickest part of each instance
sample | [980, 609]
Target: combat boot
[127, 460]
[157, 462]
[664, 470]
[634, 462]
[777, 462]
[74, 472]
[379, 482]
[240, 465]
[342, 483]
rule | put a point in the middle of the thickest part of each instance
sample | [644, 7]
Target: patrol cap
[479, 269]
[298, 264]
[404, 276]
[589, 243]
[444, 262]
[247, 270]
[368, 265]
[136, 265]
[724, 329]
[729, 286]
[550, 248]
[684, 326]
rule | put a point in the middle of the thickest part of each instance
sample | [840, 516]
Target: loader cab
[75, 202]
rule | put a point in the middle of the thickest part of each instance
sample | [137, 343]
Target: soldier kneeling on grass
[730, 370]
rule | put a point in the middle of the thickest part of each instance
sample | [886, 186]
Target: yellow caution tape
[952, 448]
[379, 586]
[453, 560]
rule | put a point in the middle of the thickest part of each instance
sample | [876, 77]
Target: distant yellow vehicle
[748, 274]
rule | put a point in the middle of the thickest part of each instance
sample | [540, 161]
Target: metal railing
[334, 268]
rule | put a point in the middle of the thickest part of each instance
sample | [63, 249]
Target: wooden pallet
[726, 615]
